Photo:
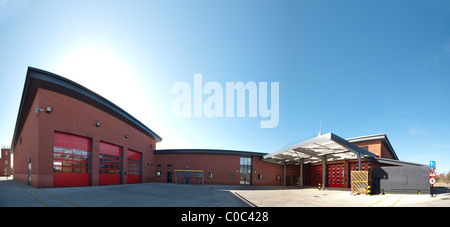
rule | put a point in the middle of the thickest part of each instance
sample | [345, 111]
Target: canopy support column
[284, 174]
[300, 178]
[324, 171]
[359, 161]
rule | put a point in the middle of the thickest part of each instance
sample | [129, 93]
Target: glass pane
[57, 149]
[57, 156]
[67, 163]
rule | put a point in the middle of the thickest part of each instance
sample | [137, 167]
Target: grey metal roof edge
[366, 137]
[58, 83]
[395, 162]
[207, 151]
[302, 143]
[351, 146]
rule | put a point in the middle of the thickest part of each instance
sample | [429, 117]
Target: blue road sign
[432, 164]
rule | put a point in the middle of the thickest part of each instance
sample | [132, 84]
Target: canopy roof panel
[313, 150]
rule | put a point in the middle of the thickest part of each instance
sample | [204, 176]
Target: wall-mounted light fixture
[37, 109]
[126, 136]
[98, 124]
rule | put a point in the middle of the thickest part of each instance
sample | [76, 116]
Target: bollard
[368, 190]
[297, 184]
[319, 186]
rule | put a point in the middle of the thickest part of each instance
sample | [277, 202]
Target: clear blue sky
[360, 67]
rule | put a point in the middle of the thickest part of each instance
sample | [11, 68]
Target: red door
[110, 161]
[134, 167]
[315, 175]
[71, 160]
[335, 175]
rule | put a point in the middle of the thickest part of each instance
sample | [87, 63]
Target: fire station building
[67, 135]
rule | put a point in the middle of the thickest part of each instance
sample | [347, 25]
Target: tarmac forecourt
[17, 194]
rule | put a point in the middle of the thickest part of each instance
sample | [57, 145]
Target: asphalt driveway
[16, 194]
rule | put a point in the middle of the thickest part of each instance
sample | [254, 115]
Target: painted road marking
[30, 194]
[60, 198]
[397, 201]
[36, 195]
[379, 201]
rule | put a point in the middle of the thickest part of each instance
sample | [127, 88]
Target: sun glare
[110, 75]
[100, 70]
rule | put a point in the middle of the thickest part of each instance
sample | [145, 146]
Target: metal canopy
[329, 145]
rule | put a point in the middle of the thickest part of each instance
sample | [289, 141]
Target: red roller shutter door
[134, 167]
[110, 161]
[71, 160]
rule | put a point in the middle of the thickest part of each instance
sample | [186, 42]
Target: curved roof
[37, 78]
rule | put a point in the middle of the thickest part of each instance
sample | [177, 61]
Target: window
[210, 175]
[260, 176]
[68, 160]
[158, 173]
[110, 164]
[134, 167]
[245, 170]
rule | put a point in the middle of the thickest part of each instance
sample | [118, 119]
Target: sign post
[432, 175]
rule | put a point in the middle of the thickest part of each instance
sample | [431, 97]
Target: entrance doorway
[245, 170]
[169, 176]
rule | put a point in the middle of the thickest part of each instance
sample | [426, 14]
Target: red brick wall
[385, 153]
[374, 146]
[27, 149]
[221, 165]
[5, 162]
[268, 170]
[377, 147]
[75, 117]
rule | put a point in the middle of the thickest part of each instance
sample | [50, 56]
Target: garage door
[315, 175]
[134, 167]
[335, 175]
[71, 160]
[110, 161]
